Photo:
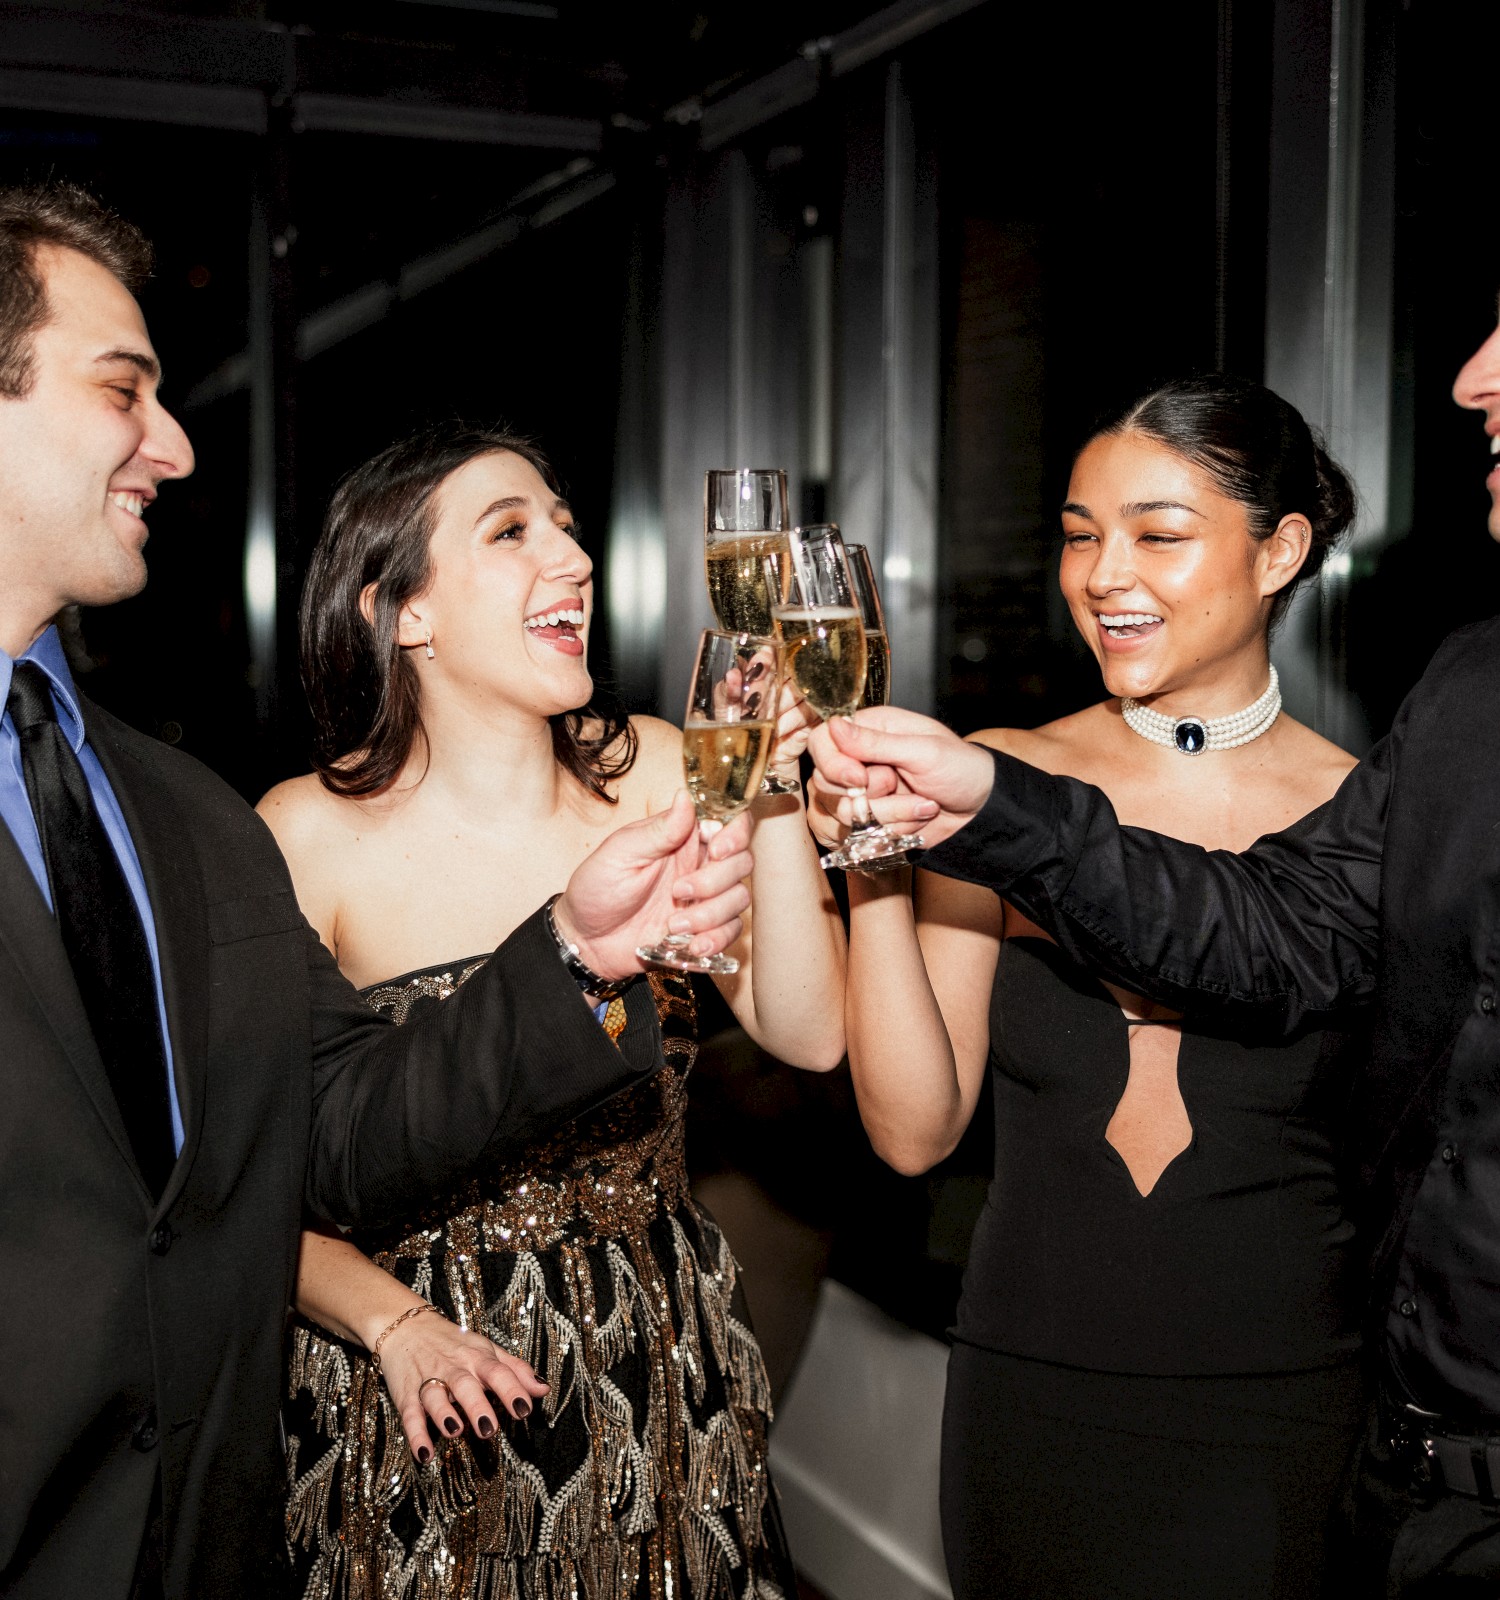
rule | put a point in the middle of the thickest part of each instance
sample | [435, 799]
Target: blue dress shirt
[15, 812]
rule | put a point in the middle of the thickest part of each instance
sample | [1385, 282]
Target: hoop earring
[430, 651]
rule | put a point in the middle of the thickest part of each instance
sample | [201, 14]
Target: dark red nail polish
[522, 1408]
[486, 1427]
[451, 1424]
[424, 1455]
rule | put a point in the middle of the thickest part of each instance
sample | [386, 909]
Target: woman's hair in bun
[1258, 450]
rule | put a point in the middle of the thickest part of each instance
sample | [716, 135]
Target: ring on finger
[425, 1381]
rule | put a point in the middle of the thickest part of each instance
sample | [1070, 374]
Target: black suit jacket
[138, 1335]
[1388, 895]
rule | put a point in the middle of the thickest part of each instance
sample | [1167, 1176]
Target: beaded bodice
[608, 1174]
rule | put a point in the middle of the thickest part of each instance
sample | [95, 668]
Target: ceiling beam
[191, 72]
[193, 105]
[537, 206]
[341, 113]
[795, 83]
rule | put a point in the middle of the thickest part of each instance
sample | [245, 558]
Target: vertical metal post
[260, 522]
[271, 565]
[1224, 121]
[636, 565]
[887, 451]
[1328, 304]
[741, 320]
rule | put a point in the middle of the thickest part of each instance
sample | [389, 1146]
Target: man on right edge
[1389, 895]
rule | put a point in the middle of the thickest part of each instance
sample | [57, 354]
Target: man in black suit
[1389, 895]
[177, 1050]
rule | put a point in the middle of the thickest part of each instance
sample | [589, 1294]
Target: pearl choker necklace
[1193, 735]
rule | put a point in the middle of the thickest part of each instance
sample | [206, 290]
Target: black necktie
[100, 927]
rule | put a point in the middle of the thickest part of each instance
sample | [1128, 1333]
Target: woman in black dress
[1154, 1384]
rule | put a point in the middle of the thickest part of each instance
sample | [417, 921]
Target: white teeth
[1495, 444]
[552, 619]
[1129, 619]
[135, 504]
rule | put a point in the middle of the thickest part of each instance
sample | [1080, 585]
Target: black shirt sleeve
[1282, 935]
[403, 1113]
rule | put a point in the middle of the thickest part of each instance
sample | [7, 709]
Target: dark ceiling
[595, 66]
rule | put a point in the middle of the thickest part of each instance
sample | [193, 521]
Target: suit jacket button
[145, 1435]
[1487, 1003]
[161, 1239]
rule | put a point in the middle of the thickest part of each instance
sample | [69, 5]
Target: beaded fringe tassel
[615, 1522]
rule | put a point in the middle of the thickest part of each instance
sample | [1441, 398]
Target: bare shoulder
[657, 771]
[1055, 746]
[299, 811]
[313, 825]
[1318, 765]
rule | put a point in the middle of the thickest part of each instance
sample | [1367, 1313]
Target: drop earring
[430, 651]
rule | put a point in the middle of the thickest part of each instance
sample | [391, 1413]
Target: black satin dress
[1157, 1395]
[642, 1473]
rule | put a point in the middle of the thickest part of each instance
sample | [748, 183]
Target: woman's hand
[913, 769]
[438, 1374]
[823, 820]
[795, 721]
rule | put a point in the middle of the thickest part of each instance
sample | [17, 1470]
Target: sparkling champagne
[745, 573]
[877, 670]
[724, 763]
[825, 650]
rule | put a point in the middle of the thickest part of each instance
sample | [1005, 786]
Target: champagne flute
[872, 613]
[877, 693]
[745, 556]
[823, 633]
[726, 742]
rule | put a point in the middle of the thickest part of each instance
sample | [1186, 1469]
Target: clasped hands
[918, 774]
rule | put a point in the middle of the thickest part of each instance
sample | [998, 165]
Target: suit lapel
[29, 936]
[174, 886]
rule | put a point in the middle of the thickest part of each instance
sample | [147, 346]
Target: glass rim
[745, 472]
[740, 636]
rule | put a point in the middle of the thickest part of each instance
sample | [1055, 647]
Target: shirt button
[145, 1435]
[1407, 1308]
[1487, 1003]
[1449, 1153]
[161, 1239]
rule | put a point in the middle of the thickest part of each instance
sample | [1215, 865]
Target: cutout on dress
[1150, 1127]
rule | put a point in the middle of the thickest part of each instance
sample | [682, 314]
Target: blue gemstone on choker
[1190, 736]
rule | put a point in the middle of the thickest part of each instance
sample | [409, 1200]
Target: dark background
[1089, 242]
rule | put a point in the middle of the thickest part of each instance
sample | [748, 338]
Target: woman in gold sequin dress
[585, 1416]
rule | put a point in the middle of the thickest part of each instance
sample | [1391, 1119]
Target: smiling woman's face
[511, 592]
[1160, 572]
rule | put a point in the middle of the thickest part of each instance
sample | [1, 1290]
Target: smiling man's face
[81, 452]
[1478, 389]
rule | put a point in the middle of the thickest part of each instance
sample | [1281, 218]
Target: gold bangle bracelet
[411, 1311]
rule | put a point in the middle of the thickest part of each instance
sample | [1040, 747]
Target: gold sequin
[589, 1260]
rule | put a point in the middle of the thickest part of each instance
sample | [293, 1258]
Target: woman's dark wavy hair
[1258, 450]
[364, 694]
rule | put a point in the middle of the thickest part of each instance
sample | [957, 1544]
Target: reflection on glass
[727, 737]
[745, 555]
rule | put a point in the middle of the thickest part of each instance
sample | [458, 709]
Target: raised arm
[918, 1010]
[1283, 934]
[789, 992]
